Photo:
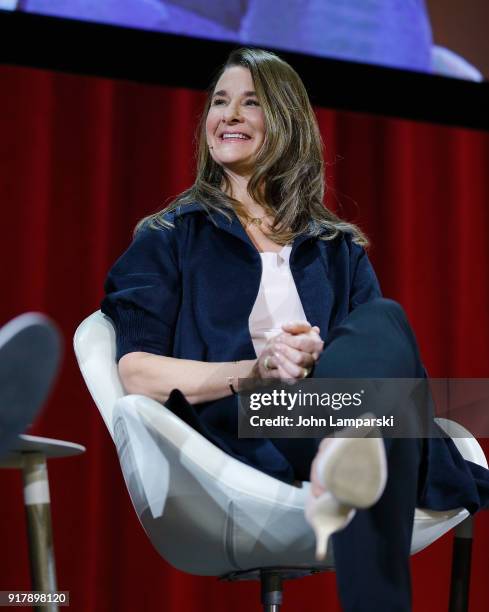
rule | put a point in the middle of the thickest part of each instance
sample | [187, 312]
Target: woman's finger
[304, 342]
[296, 327]
[268, 364]
[293, 370]
[284, 375]
[299, 327]
[300, 358]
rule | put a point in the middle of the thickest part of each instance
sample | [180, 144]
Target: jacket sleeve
[364, 285]
[143, 293]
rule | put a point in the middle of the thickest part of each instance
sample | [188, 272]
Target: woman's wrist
[232, 381]
[255, 370]
[241, 371]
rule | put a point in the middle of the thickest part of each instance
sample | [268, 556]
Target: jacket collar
[233, 226]
[315, 302]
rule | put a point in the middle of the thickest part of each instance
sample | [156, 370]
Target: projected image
[393, 33]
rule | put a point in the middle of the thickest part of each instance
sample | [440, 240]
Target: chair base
[271, 579]
[461, 561]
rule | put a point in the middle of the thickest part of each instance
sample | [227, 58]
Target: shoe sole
[354, 470]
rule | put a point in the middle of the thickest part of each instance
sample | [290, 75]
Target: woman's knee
[389, 308]
[385, 321]
[382, 313]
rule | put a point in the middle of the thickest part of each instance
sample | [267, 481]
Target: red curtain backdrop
[81, 160]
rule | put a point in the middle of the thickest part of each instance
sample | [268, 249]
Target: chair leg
[271, 590]
[39, 529]
[461, 559]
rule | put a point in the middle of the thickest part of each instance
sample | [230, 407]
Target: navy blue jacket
[188, 291]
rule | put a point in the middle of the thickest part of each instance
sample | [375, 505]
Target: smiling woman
[247, 275]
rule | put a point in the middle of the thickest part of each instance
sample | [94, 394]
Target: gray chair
[30, 354]
[205, 512]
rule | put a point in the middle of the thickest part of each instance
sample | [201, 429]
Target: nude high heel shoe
[354, 473]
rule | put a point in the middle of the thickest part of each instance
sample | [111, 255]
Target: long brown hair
[288, 179]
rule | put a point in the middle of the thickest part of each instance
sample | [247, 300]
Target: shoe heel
[326, 515]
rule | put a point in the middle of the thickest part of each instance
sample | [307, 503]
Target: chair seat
[205, 512]
[190, 495]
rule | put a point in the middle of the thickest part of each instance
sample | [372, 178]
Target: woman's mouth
[234, 137]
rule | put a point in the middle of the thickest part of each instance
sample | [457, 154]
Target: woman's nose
[231, 113]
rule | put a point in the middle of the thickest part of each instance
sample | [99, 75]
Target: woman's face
[235, 125]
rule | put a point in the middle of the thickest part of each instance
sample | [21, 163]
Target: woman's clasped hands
[291, 355]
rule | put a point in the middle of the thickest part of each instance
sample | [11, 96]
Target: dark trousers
[372, 553]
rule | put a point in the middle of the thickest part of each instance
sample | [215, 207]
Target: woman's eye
[249, 102]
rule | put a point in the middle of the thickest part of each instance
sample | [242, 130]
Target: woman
[247, 275]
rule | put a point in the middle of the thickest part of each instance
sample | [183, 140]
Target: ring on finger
[306, 372]
[266, 363]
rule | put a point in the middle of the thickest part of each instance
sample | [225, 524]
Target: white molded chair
[205, 512]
